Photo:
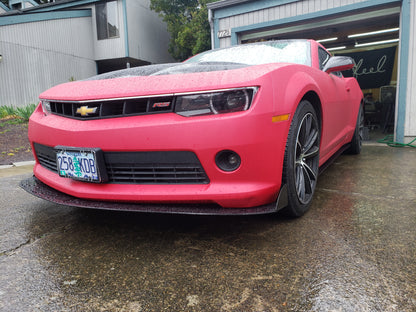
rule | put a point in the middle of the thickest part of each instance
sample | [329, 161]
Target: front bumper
[41, 190]
[259, 142]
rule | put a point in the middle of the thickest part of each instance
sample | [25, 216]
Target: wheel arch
[313, 98]
[300, 84]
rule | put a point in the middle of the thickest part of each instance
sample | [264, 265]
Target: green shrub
[6, 111]
[22, 113]
[25, 112]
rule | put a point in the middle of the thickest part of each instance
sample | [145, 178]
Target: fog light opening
[228, 160]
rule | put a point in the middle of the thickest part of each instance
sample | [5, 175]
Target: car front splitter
[37, 188]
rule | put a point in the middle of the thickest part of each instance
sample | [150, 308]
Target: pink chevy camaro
[242, 130]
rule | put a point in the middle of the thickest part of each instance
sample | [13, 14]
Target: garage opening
[369, 36]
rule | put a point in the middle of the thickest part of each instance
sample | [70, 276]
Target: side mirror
[338, 63]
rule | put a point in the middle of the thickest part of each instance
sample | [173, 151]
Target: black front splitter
[37, 188]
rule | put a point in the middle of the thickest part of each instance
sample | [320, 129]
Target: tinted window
[323, 58]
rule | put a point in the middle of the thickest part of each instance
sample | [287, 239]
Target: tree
[188, 25]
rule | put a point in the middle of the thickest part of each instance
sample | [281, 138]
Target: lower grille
[154, 167]
[181, 167]
[46, 156]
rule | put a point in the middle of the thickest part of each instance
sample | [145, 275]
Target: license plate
[80, 164]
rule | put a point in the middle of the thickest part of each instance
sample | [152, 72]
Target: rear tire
[357, 139]
[301, 161]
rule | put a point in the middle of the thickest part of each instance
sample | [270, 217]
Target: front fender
[289, 90]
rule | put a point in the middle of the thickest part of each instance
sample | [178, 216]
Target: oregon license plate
[80, 164]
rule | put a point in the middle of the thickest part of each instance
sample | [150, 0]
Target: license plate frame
[81, 164]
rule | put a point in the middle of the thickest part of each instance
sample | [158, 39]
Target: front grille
[112, 108]
[178, 167]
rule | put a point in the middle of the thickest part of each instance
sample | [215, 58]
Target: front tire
[301, 161]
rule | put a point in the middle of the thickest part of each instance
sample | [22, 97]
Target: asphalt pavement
[355, 250]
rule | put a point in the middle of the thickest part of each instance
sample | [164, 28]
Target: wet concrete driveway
[354, 251]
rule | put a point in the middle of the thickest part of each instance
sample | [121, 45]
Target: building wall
[237, 17]
[146, 39]
[38, 55]
[147, 33]
[410, 120]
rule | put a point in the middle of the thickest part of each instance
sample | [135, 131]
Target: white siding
[147, 33]
[279, 12]
[226, 42]
[39, 55]
[410, 121]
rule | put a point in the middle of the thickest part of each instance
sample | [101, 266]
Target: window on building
[107, 20]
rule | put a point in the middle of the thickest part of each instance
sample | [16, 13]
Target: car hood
[169, 69]
[161, 79]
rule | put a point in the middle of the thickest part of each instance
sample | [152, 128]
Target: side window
[323, 59]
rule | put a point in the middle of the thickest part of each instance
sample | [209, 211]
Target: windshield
[296, 51]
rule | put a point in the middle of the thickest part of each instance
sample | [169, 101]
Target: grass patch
[14, 115]
[6, 111]
[11, 120]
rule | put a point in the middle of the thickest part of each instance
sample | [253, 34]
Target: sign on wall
[224, 33]
[373, 69]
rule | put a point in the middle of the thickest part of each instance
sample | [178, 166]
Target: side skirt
[332, 158]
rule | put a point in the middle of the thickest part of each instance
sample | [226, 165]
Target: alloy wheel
[306, 158]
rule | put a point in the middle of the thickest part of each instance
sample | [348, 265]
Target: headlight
[46, 107]
[218, 102]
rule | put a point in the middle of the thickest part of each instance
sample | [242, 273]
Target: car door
[336, 108]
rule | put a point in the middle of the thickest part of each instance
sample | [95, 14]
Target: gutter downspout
[211, 24]
[126, 33]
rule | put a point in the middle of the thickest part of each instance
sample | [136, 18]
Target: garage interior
[354, 33]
